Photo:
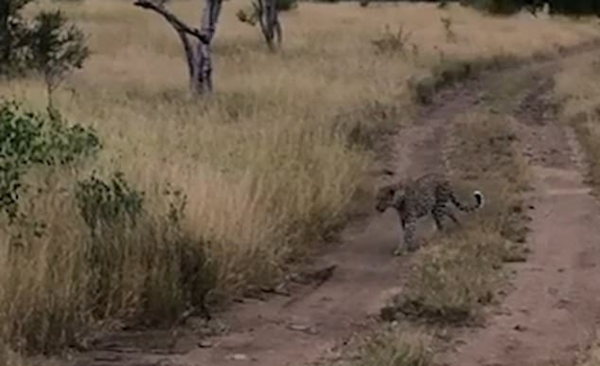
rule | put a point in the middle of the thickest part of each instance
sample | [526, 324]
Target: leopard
[413, 199]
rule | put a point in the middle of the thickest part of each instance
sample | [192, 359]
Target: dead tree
[196, 42]
[269, 21]
[267, 15]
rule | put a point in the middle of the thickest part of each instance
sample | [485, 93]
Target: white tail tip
[479, 197]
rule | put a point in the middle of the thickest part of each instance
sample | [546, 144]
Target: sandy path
[555, 306]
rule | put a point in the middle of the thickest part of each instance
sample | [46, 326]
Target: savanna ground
[277, 160]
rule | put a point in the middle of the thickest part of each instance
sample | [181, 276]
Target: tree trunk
[198, 56]
[268, 17]
[202, 77]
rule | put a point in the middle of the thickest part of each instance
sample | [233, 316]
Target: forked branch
[198, 56]
[172, 19]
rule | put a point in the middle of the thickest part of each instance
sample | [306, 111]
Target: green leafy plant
[55, 48]
[13, 32]
[28, 139]
[107, 204]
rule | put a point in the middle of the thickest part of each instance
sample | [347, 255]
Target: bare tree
[267, 15]
[269, 21]
[198, 55]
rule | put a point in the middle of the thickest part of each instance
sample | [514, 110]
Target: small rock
[299, 327]
[519, 328]
[561, 270]
[562, 303]
[303, 328]
[205, 344]
[240, 357]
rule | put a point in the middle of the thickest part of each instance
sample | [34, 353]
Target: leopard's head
[385, 197]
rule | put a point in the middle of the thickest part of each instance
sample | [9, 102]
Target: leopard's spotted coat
[413, 199]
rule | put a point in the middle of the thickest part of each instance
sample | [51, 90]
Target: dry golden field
[265, 163]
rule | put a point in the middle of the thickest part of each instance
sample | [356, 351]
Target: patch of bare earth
[554, 308]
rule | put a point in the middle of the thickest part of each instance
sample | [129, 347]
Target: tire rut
[554, 308]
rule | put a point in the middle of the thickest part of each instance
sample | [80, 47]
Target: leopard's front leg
[409, 227]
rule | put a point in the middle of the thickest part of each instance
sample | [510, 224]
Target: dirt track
[550, 313]
[554, 309]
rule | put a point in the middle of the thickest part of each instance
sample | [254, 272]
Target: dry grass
[578, 89]
[459, 272]
[396, 347]
[265, 163]
[593, 356]
[393, 345]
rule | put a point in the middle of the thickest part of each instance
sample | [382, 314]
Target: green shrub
[285, 5]
[47, 44]
[28, 139]
[107, 205]
[13, 31]
[501, 7]
[55, 48]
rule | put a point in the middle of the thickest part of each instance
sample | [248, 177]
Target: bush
[102, 251]
[285, 5]
[48, 45]
[502, 7]
[28, 139]
[13, 32]
[55, 48]
[575, 7]
[507, 7]
[106, 205]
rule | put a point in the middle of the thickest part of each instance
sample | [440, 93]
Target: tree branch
[179, 26]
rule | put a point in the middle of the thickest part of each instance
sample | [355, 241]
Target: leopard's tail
[479, 202]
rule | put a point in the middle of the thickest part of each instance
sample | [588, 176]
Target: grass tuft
[397, 346]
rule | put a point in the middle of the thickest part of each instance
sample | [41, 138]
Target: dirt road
[549, 315]
[554, 309]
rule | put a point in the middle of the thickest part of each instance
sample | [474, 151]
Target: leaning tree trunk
[198, 55]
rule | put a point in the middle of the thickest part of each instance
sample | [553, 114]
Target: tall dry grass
[265, 163]
[593, 356]
[579, 93]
